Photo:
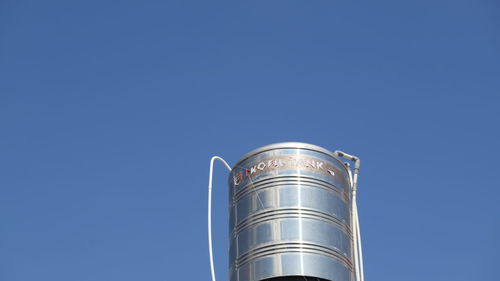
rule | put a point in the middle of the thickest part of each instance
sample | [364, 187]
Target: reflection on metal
[290, 215]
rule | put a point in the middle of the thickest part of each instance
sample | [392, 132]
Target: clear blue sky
[110, 111]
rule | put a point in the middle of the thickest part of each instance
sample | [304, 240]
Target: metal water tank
[290, 215]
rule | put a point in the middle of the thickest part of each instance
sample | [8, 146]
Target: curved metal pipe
[210, 251]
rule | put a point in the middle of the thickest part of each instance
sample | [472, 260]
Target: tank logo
[284, 162]
[238, 178]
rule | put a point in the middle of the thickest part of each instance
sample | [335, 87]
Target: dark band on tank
[295, 278]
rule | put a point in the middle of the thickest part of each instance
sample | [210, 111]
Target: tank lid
[287, 145]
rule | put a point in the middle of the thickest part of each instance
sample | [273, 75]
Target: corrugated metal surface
[290, 215]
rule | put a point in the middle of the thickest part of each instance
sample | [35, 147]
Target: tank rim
[288, 145]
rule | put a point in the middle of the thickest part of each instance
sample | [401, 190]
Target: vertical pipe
[358, 251]
[210, 176]
[354, 226]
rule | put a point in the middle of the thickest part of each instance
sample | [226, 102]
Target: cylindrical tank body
[290, 215]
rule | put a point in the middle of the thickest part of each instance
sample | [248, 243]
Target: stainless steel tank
[290, 215]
